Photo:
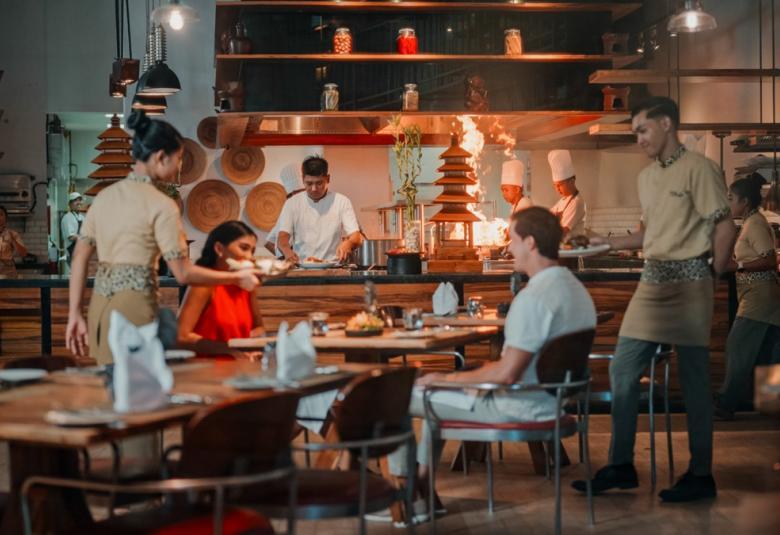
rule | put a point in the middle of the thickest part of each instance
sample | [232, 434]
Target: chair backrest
[567, 353]
[48, 363]
[246, 435]
[375, 405]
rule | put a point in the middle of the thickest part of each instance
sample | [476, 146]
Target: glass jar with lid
[329, 101]
[513, 42]
[411, 98]
[342, 41]
[406, 42]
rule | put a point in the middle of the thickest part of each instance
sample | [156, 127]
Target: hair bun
[139, 122]
[757, 178]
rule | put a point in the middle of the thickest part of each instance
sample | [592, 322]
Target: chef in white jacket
[570, 209]
[512, 172]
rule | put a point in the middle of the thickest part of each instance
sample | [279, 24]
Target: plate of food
[21, 375]
[177, 355]
[312, 262]
[268, 267]
[364, 324]
[578, 246]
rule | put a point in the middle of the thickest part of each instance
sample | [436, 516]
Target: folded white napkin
[295, 354]
[445, 300]
[141, 377]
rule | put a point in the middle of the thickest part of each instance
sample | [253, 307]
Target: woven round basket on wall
[242, 165]
[193, 161]
[207, 132]
[264, 204]
[210, 203]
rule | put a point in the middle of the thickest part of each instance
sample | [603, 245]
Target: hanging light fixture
[159, 80]
[690, 19]
[148, 103]
[152, 105]
[175, 15]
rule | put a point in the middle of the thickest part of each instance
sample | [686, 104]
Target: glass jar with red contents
[406, 41]
[342, 41]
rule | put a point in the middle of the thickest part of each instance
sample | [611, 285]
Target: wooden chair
[227, 450]
[562, 370]
[370, 419]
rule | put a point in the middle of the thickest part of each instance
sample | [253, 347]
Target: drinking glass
[413, 319]
[474, 306]
[319, 323]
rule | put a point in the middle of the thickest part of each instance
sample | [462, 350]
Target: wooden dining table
[391, 343]
[37, 447]
[489, 318]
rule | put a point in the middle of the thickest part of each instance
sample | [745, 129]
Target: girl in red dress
[210, 316]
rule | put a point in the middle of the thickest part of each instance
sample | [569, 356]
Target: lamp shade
[159, 80]
[691, 18]
[175, 15]
[148, 103]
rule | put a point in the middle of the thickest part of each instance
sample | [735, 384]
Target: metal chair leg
[307, 453]
[489, 461]
[464, 458]
[651, 411]
[557, 469]
[588, 471]
[500, 451]
[546, 447]
[431, 485]
[579, 429]
[669, 450]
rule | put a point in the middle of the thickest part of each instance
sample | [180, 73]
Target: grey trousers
[484, 410]
[750, 342]
[632, 358]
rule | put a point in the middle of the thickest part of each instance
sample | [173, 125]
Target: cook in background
[212, 315]
[321, 224]
[130, 224]
[70, 225]
[291, 181]
[512, 173]
[10, 244]
[754, 337]
[570, 209]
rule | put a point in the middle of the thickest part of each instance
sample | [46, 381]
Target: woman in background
[10, 243]
[755, 335]
[210, 316]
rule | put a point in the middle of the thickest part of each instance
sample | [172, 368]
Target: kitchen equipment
[16, 194]
[193, 161]
[242, 165]
[210, 203]
[404, 263]
[342, 41]
[329, 100]
[372, 252]
[264, 204]
[207, 132]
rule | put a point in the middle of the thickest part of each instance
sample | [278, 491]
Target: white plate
[422, 333]
[81, 417]
[584, 251]
[318, 265]
[249, 382]
[21, 375]
[178, 354]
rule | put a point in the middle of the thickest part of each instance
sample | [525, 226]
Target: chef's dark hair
[749, 188]
[659, 107]
[314, 166]
[152, 135]
[4, 210]
[543, 226]
[226, 233]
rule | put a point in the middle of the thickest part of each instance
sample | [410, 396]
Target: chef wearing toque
[512, 173]
[570, 209]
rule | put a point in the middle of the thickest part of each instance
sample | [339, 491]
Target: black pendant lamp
[159, 80]
[149, 103]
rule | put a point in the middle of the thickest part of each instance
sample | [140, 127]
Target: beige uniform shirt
[758, 292]
[680, 205]
[132, 222]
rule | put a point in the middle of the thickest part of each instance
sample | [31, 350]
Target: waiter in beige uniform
[684, 222]
[570, 209]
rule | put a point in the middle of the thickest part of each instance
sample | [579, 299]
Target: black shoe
[617, 476]
[689, 488]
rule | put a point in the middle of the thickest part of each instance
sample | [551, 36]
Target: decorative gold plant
[408, 158]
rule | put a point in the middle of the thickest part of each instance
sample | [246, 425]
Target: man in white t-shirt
[71, 223]
[570, 209]
[321, 224]
[553, 303]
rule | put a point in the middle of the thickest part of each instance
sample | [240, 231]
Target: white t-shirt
[552, 304]
[316, 228]
[571, 213]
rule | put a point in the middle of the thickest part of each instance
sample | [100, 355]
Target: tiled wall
[617, 221]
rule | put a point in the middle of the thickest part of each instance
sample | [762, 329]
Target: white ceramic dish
[250, 382]
[593, 250]
[81, 417]
[22, 375]
[178, 354]
[318, 265]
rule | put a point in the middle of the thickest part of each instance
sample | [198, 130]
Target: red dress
[227, 315]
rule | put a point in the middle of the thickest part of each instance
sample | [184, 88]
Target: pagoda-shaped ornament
[454, 198]
[114, 159]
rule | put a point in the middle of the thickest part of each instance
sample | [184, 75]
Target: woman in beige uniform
[756, 330]
[131, 224]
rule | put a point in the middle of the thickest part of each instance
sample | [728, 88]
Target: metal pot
[404, 264]
[372, 252]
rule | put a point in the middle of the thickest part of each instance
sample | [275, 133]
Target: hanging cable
[129, 38]
[116, 24]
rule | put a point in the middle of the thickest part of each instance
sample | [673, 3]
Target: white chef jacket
[69, 226]
[316, 228]
[522, 204]
[570, 211]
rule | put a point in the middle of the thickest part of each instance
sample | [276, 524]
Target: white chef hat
[512, 172]
[291, 178]
[72, 196]
[561, 165]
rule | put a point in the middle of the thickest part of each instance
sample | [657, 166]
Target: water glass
[413, 319]
[318, 321]
[474, 306]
